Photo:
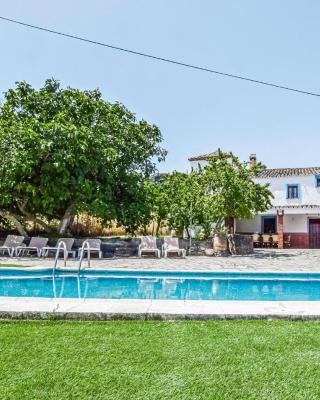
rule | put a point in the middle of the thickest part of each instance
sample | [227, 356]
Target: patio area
[272, 260]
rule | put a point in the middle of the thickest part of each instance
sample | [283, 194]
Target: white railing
[85, 246]
[65, 254]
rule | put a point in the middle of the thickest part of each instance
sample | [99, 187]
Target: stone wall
[198, 247]
[240, 244]
[128, 247]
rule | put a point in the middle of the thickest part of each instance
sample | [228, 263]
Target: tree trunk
[14, 220]
[33, 218]
[158, 222]
[66, 220]
[229, 223]
[144, 229]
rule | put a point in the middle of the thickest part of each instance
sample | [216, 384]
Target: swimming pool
[97, 284]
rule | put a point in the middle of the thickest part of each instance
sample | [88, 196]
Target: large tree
[231, 191]
[64, 151]
[214, 195]
[177, 200]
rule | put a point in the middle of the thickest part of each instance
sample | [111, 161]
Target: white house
[295, 212]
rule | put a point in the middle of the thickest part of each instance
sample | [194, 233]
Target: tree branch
[14, 220]
[66, 219]
[32, 217]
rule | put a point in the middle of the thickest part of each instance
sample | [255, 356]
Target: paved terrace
[262, 260]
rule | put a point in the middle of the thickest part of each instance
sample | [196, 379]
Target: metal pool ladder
[85, 245]
[65, 254]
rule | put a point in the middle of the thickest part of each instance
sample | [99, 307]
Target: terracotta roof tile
[269, 172]
[284, 172]
[297, 206]
[203, 156]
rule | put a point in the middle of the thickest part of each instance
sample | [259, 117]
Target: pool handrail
[60, 245]
[85, 244]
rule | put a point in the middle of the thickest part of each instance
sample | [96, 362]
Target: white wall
[249, 225]
[295, 223]
[195, 164]
[309, 193]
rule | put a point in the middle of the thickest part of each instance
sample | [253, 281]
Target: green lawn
[12, 266]
[160, 360]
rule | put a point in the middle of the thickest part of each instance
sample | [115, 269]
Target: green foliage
[64, 151]
[221, 191]
[185, 194]
[177, 200]
[231, 191]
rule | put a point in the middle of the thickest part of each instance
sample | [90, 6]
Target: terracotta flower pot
[220, 242]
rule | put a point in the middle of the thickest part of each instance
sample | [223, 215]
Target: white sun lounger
[68, 242]
[11, 243]
[35, 246]
[171, 245]
[95, 247]
[148, 246]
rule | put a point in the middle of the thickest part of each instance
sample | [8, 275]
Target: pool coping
[134, 309]
[157, 269]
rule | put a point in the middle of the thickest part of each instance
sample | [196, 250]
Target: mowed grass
[2, 265]
[160, 360]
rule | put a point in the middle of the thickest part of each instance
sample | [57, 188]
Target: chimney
[253, 160]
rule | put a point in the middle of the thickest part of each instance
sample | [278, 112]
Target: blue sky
[272, 40]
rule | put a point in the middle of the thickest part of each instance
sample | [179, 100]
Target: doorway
[314, 233]
[269, 224]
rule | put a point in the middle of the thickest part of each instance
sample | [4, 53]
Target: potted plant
[220, 238]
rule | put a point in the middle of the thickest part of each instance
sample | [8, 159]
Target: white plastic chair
[148, 246]
[95, 247]
[171, 245]
[68, 242]
[35, 246]
[11, 243]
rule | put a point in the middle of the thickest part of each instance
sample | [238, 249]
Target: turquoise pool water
[160, 285]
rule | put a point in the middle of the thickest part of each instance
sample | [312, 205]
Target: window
[293, 192]
[269, 224]
[317, 180]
